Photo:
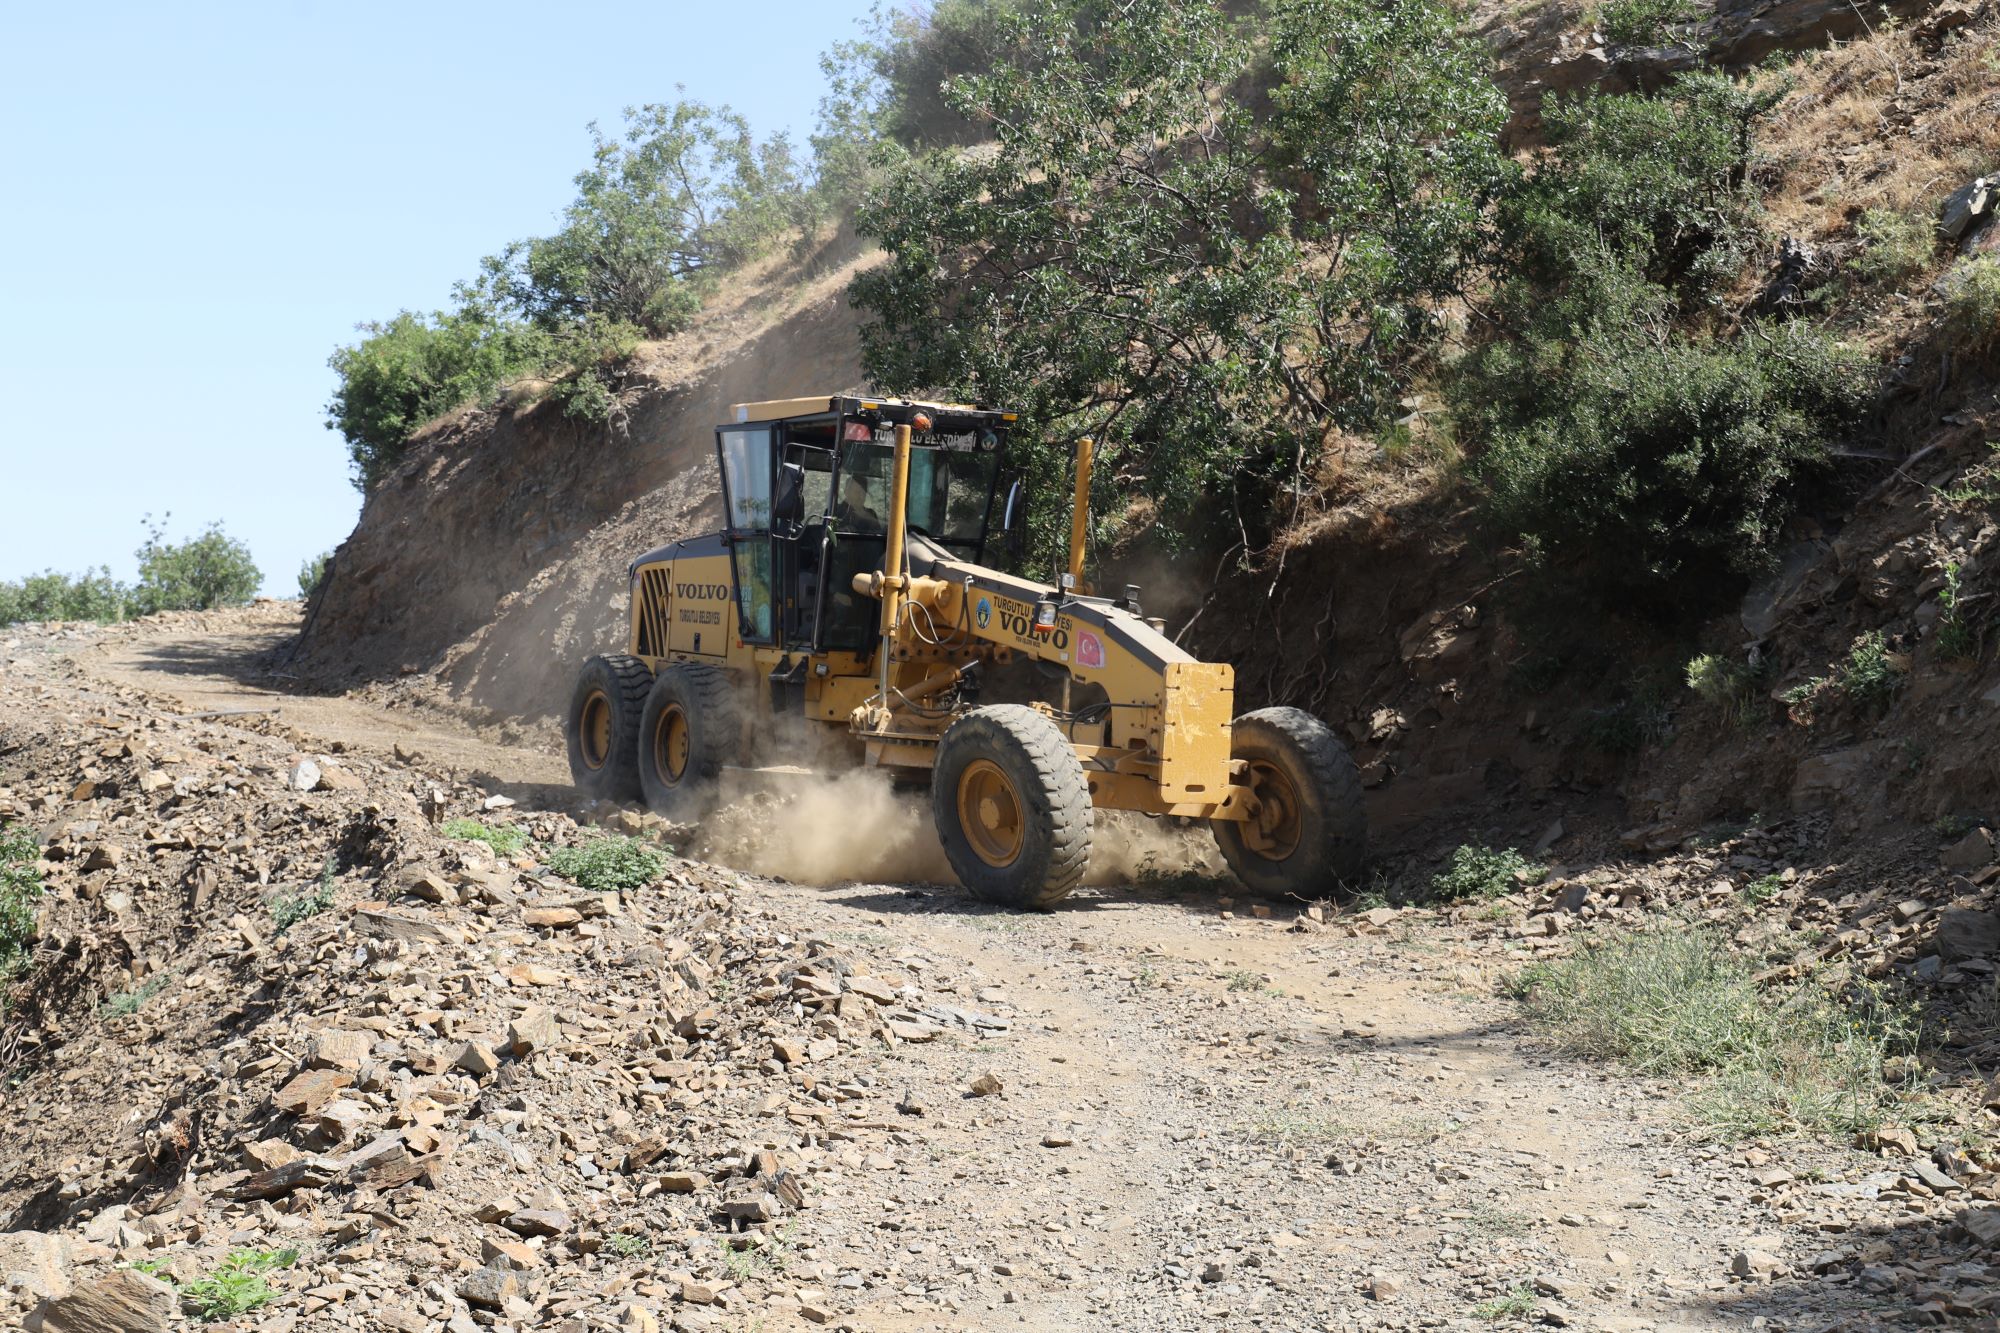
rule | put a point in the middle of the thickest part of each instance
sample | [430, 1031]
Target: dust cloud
[838, 829]
[857, 827]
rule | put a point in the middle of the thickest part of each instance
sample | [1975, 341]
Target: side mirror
[788, 507]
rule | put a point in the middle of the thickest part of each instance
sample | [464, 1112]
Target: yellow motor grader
[845, 615]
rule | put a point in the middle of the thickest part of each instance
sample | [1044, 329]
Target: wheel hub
[1276, 815]
[594, 733]
[671, 744]
[990, 813]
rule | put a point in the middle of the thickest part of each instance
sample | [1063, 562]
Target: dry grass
[1887, 122]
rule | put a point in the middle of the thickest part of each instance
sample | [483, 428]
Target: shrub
[312, 574]
[413, 368]
[1870, 674]
[1896, 247]
[1645, 22]
[199, 574]
[1651, 459]
[91, 595]
[606, 864]
[503, 840]
[1674, 1000]
[1972, 304]
[20, 898]
[1482, 872]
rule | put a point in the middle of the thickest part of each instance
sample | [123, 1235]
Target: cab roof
[893, 411]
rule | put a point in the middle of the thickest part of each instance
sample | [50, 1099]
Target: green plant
[312, 574]
[1978, 484]
[21, 892]
[91, 595]
[1241, 978]
[239, 1286]
[1204, 282]
[1645, 22]
[303, 904]
[1641, 447]
[1482, 872]
[1897, 248]
[1957, 637]
[1730, 687]
[1518, 1303]
[609, 863]
[412, 368]
[1870, 674]
[629, 1244]
[1803, 699]
[502, 840]
[126, 1003]
[1972, 304]
[199, 574]
[1674, 1000]
[1762, 889]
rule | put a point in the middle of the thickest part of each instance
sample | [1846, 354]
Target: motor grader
[845, 615]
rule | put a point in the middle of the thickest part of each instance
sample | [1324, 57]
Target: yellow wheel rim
[1277, 821]
[671, 743]
[990, 813]
[594, 733]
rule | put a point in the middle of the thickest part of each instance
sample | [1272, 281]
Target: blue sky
[198, 202]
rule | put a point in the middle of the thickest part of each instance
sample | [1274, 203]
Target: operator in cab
[853, 513]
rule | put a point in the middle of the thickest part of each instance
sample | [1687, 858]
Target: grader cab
[846, 614]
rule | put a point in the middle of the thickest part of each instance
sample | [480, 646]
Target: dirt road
[1205, 1117]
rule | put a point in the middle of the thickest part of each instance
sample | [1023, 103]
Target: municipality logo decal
[983, 612]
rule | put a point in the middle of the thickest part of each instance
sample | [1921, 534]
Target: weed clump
[126, 1003]
[1483, 873]
[1674, 1001]
[303, 904]
[502, 840]
[239, 1286]
[609, 864]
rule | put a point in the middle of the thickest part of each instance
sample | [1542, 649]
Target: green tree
[199, 574]
[312, 573]
[1207, 281]
[685, 191]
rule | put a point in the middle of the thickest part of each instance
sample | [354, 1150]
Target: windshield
[951, 486]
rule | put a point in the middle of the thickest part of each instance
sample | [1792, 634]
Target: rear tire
[1311, 832]
[1011, 807]
[691, 728]
[602, 727]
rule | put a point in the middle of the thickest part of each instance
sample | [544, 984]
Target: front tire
[1309, 831]
[1011, 807]
[690, 730]
[602, 726]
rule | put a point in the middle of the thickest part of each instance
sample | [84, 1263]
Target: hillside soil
[470, 1094]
